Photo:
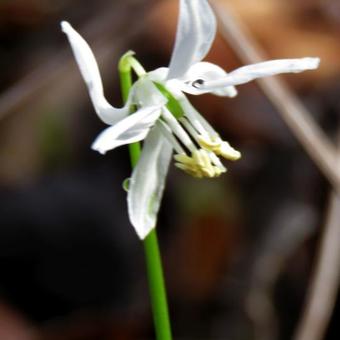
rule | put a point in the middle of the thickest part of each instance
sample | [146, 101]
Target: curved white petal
[268, 68]
[207, 72]
[196, 30]
[90, 72]
[131, 129]
[147, 183]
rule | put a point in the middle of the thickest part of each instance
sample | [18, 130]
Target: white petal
[196, 30]
[207, 72]
[147, 183]
[158, 75]
[268, 68]
[131, 129]
[90, 72]
[145, 93]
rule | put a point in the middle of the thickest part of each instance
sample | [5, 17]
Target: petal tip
[97, 148]
[232, 92]
[65, 26]
[312, 63]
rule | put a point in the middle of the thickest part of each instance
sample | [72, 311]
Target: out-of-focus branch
[298, 119]
[322, 292]
[289, 228]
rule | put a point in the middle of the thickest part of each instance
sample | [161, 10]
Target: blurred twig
[322, 292]
[289, 228]
[298, 119]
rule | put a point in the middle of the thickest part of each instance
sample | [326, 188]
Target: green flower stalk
[152, 255]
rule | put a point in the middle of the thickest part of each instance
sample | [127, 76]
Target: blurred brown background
[238, 250]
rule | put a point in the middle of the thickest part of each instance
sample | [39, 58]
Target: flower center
[197, 146]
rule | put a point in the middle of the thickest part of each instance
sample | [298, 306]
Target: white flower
[164, 117]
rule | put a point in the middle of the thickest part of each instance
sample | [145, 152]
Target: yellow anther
[182, 158]
[199, 165]
[203, 161]
[218, 171]
[228, 152]
[219, 147]
[207, 142]
[198, 159]
[192, 171]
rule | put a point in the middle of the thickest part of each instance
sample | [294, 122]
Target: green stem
[157, 287]
[126, 84]
[151, 249]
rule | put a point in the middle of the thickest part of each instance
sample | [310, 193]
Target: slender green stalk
[151, 249]
[157, 287]
[125, 85]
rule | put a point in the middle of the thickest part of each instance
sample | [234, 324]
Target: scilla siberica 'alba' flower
[196, 144]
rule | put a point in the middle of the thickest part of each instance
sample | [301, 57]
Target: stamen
[189, 128]
[192, 130]
[217, 162]
[184, 159]
[199, 123]
[192, 171]
[203, 162]
[169, 136]
[196, 120]
[228, 152]
[219, 147]
[214, 144]
[209, 143]
[178, 130]
[199, 165]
